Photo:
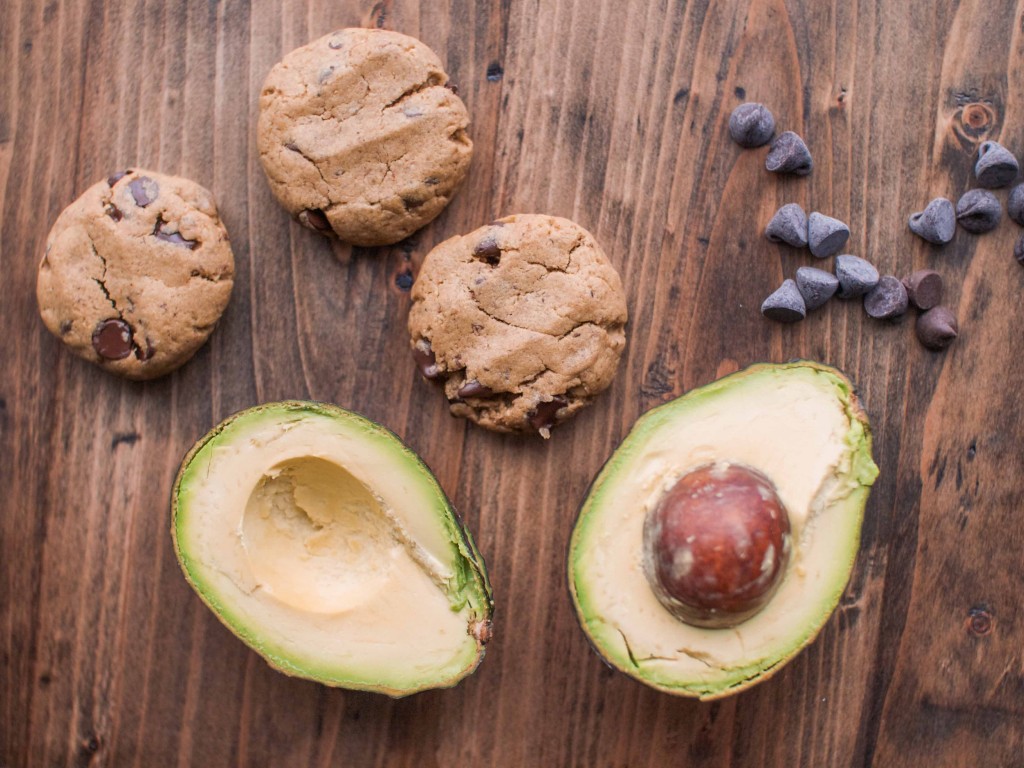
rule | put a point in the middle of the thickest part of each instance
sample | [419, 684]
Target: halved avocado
[799, 425]
[327, 546]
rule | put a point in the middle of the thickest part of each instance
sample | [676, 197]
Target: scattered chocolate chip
[789, 154]
[404, 281]
[113, 178]
[325, 74]
[495, 72]
[487, 250]
[544, 416]
[751, 125]
[474, 388]
[887, 300]
[825, 235]
[315, 219]
[426, 361]
[432, 181]
[65, 327]
[291, 145]
[112, 339]
[1018, 249]
[788, 225]
[936, 223]
[412, 111]
[785, 305]
[113, 212]
[978, 211]
[816, 286]
[452, 87]
[335, 43]
[996, 165]
[924, 288]
[1015, 204]
[936, 328]
[162, 232]
[144, 190]
[856, 276]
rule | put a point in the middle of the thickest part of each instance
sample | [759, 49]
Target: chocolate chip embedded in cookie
[359, 136]
[522, 321]
[137, 272]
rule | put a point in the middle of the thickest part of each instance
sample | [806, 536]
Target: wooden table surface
[612, 113]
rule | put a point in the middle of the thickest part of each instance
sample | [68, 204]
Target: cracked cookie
[360, 136]
[136, 273]
[521, 321]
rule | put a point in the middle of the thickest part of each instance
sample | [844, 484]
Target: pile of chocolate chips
[977, 211]
[885, 297]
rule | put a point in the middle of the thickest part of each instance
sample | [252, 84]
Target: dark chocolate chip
[924, 288]
[495, 72]
[452, 87]
[474, 388]
[432, 181]
[487, 250]
[113, 212]
[978, 211]
[65, 327]
[1015, 204]
[816, 286]
[112, 339]
[163, 232]
[427, 361]
[292, 146]
[996, 165]
[936, 223]
[113, 178]
[789, 154]
[788, 225]
[335, 43]
[856, 276]
[544, 416]
[887, 300]
[785, 305]
[1018, 249]
[315, 219]
[411, 204]
[825, 235]
[936, 328]
[144, 190]
[146, 354]
[751, 125]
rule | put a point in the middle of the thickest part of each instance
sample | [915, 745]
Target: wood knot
[979, 621]
[972, 123]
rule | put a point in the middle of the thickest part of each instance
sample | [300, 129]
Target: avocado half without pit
[719, 537]
[327, 546]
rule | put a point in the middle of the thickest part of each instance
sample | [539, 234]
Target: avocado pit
[716, 545]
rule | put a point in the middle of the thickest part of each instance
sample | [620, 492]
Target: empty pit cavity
[316, 538]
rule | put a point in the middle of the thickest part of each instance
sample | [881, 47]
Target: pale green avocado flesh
[327, 546]
[798, 423]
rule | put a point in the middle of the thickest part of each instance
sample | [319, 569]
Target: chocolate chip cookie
[136, 273]
[359, 135]
[522, 321]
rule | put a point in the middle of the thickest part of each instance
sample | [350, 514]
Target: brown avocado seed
[716, 545]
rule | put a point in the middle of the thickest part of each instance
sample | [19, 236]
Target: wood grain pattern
[610, 113]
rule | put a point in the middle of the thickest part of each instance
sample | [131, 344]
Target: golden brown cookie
[136, 273]
[522, 321]
[359, 135]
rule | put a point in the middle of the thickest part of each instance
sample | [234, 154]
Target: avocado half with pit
[719, 537]
[327, 546]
